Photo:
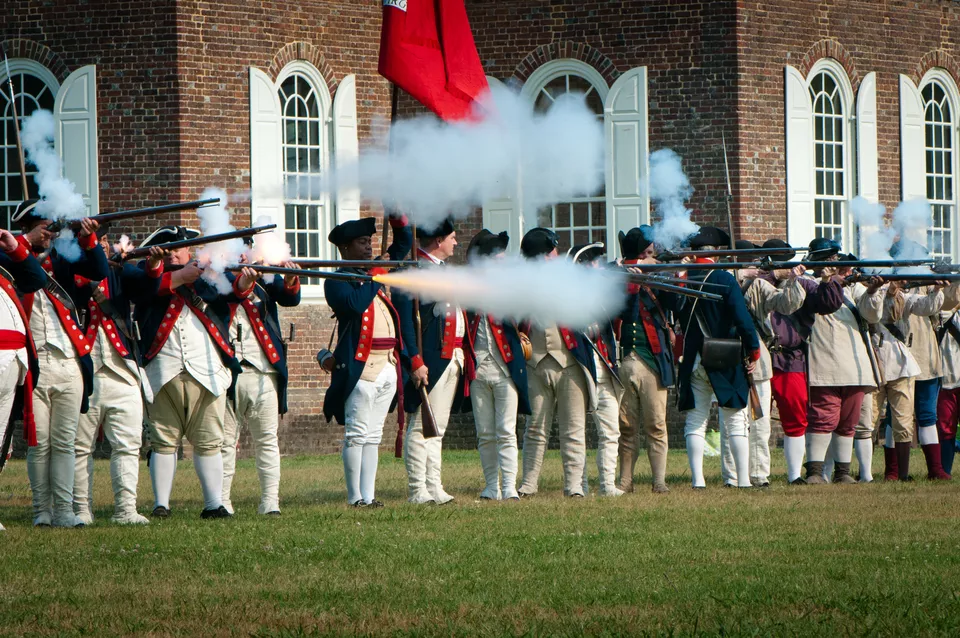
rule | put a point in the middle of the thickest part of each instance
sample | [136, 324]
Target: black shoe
[764, 484]
[220, 512]
[375, 504]
[798, 481]
[274, 513]
[160, 512]
[525, 495]
[359, 504]
[730, 485]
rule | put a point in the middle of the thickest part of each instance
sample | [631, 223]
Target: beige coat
[920, 313]
[762, 298]
[838, 355]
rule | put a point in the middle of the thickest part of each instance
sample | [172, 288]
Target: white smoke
[436, 169]
[907, 228]
[669, 190]
[59, 197]
[876, 237]
[66, 245]
[124, 245]
[547, 292]
[268, 247]
[214, 258]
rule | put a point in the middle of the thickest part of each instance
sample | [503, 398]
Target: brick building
[818, 102]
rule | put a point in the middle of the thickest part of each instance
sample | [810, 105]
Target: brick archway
[936, 59]
[30, 50]
[835, 50]
[308, 53]
[560, 50]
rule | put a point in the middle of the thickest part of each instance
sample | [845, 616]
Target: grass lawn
[881, 559]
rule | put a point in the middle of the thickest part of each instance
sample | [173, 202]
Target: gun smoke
[669, 190]
[435, 169]
[214, 258]
[546, 292]
[907, 230]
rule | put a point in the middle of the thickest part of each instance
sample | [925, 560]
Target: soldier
[646, 366]
[608, 387]
[764, 292]
[499, 390]
[66, 382]
[561, 374]
[948, 402]
[20, 274]
[700, 380]
[842, 366]
[261, 393]
[439, 367]
[116, 404]
[189, 369]
[365, 377]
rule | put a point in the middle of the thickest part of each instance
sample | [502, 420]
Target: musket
[300, 272]
[636, 278]
[16, 128]
[768, 264]
[354, 263]
[104, 218]
[686, 292]
[725, 252]
[729, 198]
[429, 421]
[139, 253]
[920, 278]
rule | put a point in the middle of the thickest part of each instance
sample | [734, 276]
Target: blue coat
[631, 316]
[517, 367]
[151, 312]
[349, 300]
[92, 264]
[269, 297]
[726, 319]
[127, 285]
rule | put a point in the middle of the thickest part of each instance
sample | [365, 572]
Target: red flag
[427, 49]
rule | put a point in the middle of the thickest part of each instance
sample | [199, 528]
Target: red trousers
[948, 413]
[835, 409]
[789, 390]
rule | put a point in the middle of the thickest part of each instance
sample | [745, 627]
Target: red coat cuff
[293, 288]
[243, 294]
[755, 355]
[416, 362]
[154, 272]
[19, 253]
[398, 222]
[165, 281]
[87, 242]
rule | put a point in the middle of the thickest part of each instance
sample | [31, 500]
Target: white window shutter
[346, 147]
[912, 143]
[799, 140]
[627, 162]
[504, 214]
[266, 159]
[867, 167]
[75, 134]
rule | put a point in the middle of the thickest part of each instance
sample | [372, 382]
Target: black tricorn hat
[635, 241]
[823, 247]
[773, 242]
[745, 244]
[166, 234]
[26, 213]
[538, 242]
[586, 253]
[445, 228]
[485, 244]
[346, 232]
[710, 236]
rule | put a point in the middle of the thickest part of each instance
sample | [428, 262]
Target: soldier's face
[360, 248]
[179, 257]
[649, 252]
[38, 236]
[445, 247]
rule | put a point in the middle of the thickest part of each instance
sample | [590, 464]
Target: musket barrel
[739, 252]
[139, 253]
[300, 272]
[353, 263]
[137, 212]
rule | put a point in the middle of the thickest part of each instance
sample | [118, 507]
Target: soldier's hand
[420, 376]
[7, 241]
[248, 276]
[874, 284]
[827, 273]
[190, 273]
[893, 288]
[88, 226]
[156, 256]
[290, 279]
[797, 272]
[750, 365]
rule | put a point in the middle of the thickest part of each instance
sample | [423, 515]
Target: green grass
[879, 559]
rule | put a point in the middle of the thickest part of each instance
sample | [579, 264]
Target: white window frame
[530, 91]
[325, 105]
[24, 65]
[948, 84]
[838, 74]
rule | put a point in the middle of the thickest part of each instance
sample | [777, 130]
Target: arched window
[34, 87]
[582, 219]
[305, 109]
[830, 143]
[939, 123]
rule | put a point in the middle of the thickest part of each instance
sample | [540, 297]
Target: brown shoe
[660, 488]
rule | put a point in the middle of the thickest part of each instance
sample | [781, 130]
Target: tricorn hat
[635, 241]
[586, 253]
[538, 242]
[773, 242]
[26, 213]
[710, 236]
[822, 248]
[445, 228]
[346, 232]
[485, 244]
[166, 234]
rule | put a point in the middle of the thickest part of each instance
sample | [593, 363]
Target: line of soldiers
[830, 353]
[89, 343]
